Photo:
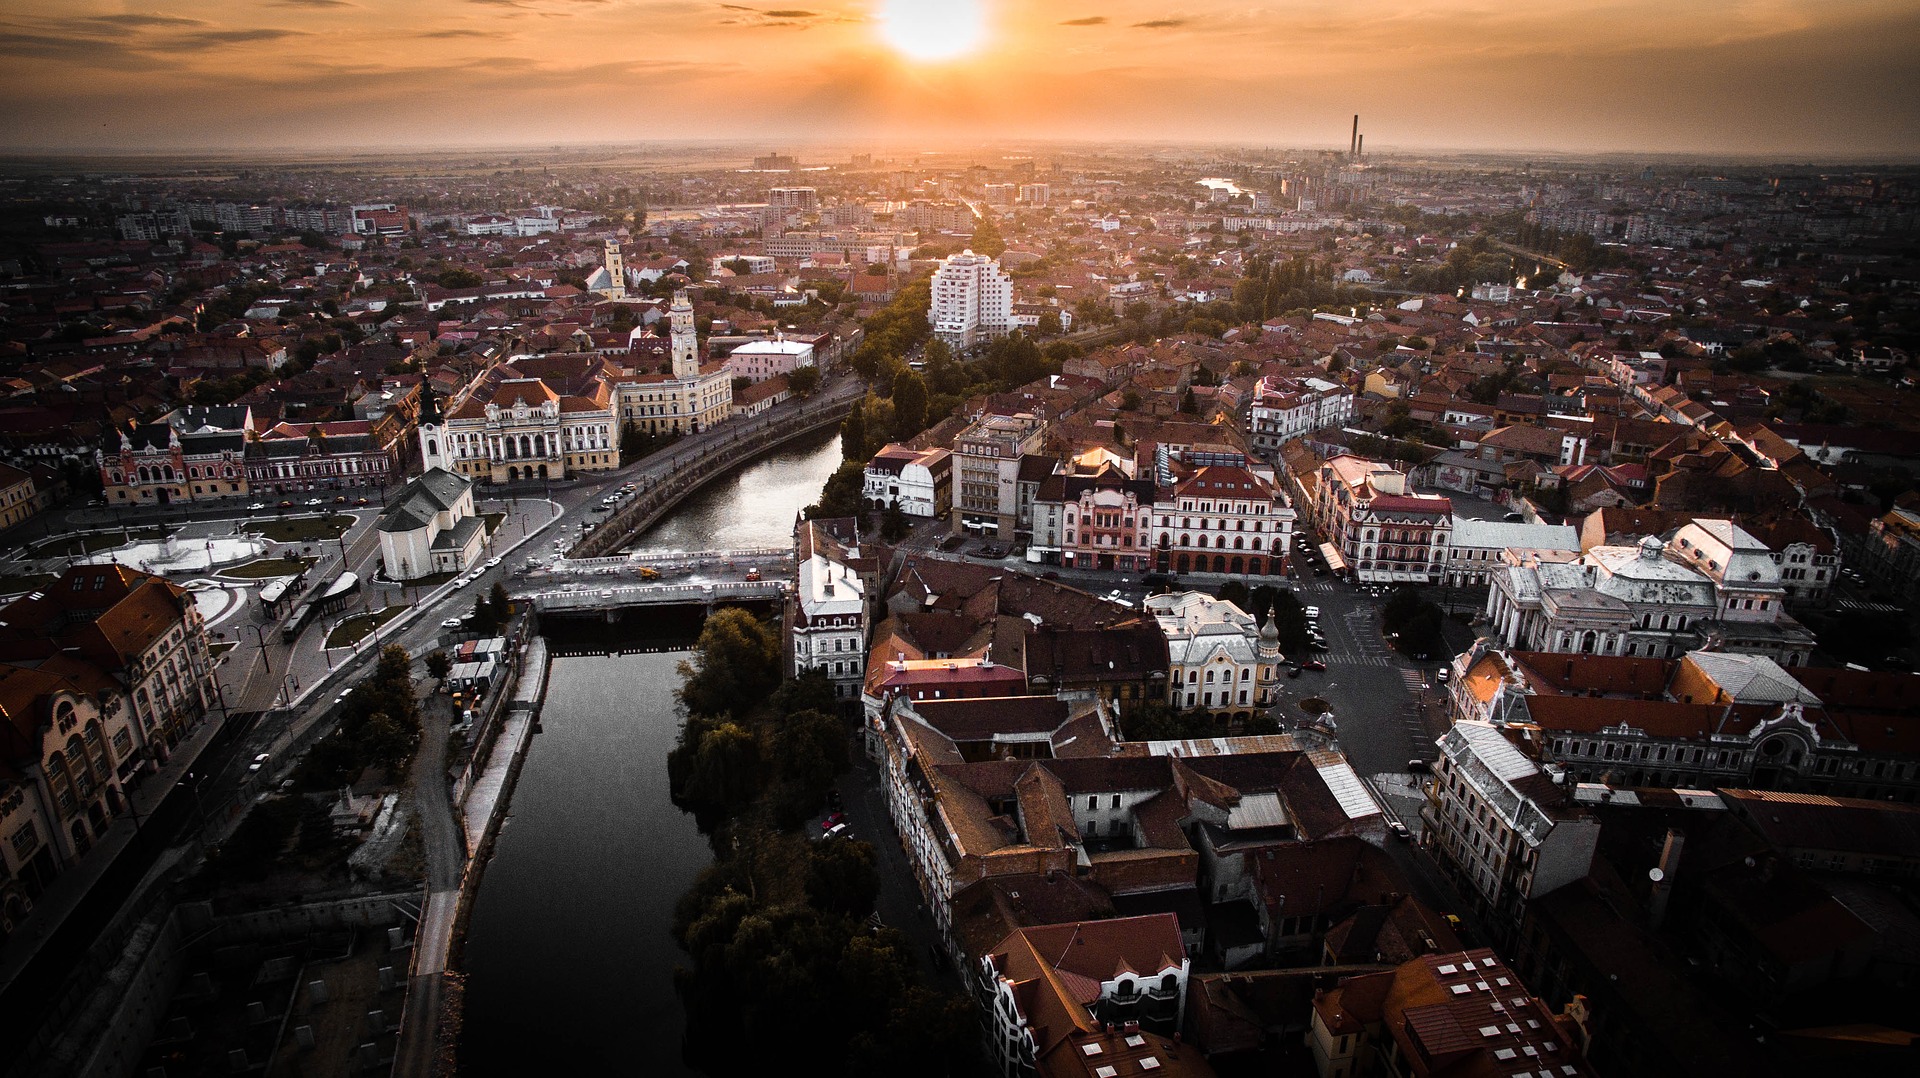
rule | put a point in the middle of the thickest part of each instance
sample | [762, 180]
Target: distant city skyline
[1785, 78]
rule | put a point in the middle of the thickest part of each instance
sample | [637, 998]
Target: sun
[933, 29]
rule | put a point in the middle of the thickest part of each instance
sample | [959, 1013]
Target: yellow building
[539, 417]
[691, 397]
[17, 501]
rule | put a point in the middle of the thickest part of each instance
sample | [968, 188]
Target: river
[569, 953]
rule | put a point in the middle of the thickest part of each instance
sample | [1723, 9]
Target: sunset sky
[1807, 77]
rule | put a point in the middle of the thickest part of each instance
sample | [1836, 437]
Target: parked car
[1313, 612]
[1293, 671]
[259, 762]
[1399, 830]
[1313, 664]
[834, 819]
[1441, 675]
[451, 623]
[838, 830]
[359, 501]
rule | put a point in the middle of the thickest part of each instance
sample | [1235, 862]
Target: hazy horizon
[1720, 79]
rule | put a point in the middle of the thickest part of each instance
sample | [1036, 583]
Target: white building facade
[1288, 408]
[1219, 659]
[972, 300]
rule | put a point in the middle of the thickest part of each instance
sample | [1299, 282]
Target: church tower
[616, 272]
[686, 343]
[434, 450]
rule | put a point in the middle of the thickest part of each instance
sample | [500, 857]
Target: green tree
[459, 278]
[439, 664]
[500, 604]
[735, 665]
[804, 380]
[841, 877]
[909, 404]
[893, 523]
[841, 496]
[986, 237]
[853, 433]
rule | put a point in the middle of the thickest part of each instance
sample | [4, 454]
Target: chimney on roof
[1662, 877]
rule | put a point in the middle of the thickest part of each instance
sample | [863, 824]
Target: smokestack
[1360, 146]
[1353, 143]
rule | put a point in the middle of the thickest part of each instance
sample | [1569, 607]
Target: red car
[1313, 664]
[833, 820]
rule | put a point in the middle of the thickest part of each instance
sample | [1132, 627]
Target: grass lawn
[16, 585]
[94, 542]
[355, 629]
[305, 529]
[263, 568]
[493, 521]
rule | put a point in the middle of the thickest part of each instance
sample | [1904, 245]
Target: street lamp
[260, 640]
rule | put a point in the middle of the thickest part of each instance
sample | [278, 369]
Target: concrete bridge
[613, 596]
[693, 469]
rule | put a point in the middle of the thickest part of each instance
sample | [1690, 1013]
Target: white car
[1313, 612]
[493, 563]
[259, 762]
[451, 623]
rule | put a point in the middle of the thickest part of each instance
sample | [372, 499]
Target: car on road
[259, 762]
[452, 623]
[359, 501]
[316, 501]
[340, 499]
[648, 572]
[606, 593]
[1400, 830]
[256, 507]
[1441, 675]
[285, 504]
[1293, 671]
[753, 574]
[1313, 612]
[1418, 766]
[834, 819]
[1313, 664]
[494, 562]
[838, 830]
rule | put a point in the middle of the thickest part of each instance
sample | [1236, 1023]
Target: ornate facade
[191, 454]
[538, 417]
[689, 396]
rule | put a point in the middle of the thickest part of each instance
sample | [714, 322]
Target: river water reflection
[569, 953]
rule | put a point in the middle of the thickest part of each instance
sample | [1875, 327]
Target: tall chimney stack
[1353, 144]
[1360, 146]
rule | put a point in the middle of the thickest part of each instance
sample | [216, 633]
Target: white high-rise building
[972, 300]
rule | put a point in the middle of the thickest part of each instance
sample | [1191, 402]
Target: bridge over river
[704, 578]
